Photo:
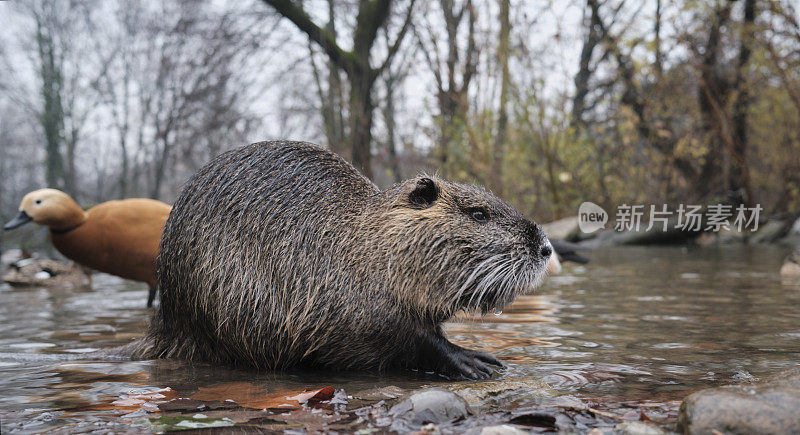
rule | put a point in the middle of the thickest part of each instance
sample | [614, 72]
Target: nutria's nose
[538, 240]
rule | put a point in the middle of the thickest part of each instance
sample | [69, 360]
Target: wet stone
[770, 406]
[387, 395]
[382, 393]
[769, 232]
[507, 393]
[503, 429]
[638, 428]
[422, 408]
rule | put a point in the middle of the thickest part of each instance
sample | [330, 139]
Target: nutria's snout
[518, 268]
[539, 243]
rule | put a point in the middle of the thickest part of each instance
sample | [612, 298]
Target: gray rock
[440, 407]
[45, 273]
[771, 406]
[10, 256]
[723, 237]
[791, 266]
[656, 235]
[563, 229]
[638, 428]
[503, 429]
[791, 240]
[707, 239]
[388, 395]
[732, 236]
[505, 393]
[769, 232]
[383, 393]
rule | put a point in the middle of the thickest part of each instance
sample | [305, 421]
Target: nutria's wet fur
[281, 254]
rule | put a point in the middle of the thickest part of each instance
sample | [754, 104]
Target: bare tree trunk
[330, 94]
[335, 94]
[70, 176]
[361, 107]
[391, 136]
[391, 82]
[160, 166]
[709, 99]
[124, 126]
[502, 119]
[633, 97]
[739, 177]
[372, 15]
[52, 117]
[659, 62]
[452, 97]
[584, 69]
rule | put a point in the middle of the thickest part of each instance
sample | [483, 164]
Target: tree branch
[341, 58]
[372, 14]
[434, 64]
[396, 46]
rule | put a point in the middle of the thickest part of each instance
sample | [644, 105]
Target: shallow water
[633, 331]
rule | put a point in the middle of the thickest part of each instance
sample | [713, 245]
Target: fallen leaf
[320, 395]
[250, 396]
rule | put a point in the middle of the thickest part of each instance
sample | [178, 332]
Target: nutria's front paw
[485, 357]
[462, 363]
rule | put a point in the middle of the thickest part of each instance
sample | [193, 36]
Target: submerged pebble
[436, 406]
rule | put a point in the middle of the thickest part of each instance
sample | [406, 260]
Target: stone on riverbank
[507, 393]
[791, 266]
[32, 272]
[637, 428]
[564, 229]
[655, 235]
[503, 429]
[769, 232]
[431, 406]
[770, 406]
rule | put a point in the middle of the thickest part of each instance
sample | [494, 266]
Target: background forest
[548, 103]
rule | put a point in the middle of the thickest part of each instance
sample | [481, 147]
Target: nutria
[117, 237]
[281, 254]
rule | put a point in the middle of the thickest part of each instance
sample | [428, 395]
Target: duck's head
[49, 207]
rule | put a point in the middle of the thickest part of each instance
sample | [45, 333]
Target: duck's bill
[19, 220]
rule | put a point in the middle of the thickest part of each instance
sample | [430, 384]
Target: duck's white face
[49, 207]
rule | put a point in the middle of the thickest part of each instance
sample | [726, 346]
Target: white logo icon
[591, 217]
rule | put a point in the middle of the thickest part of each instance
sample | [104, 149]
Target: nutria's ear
[425, 193]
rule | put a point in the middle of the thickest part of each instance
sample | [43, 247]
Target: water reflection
[637, 326]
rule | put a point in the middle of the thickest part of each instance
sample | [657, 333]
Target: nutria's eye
[38, 201]
[479, 215]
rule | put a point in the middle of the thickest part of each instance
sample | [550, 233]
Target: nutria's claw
[469, 364]
[485, 358]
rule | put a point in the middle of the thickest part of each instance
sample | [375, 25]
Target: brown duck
[116, 237]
